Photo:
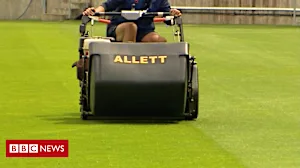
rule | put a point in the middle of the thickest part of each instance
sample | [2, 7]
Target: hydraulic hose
[26, 9]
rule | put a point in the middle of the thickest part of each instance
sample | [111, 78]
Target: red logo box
[37, 148]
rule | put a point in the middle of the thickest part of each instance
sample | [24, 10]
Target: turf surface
[249, 101]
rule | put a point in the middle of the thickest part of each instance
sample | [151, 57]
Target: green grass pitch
[249, 101]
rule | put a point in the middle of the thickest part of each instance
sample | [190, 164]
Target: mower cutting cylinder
[138, 80]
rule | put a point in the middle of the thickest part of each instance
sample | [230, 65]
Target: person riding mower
[135, 73]
[141, 30]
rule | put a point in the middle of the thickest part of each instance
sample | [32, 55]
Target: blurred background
[276, 12]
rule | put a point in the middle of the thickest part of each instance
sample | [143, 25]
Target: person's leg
[126, 32]
[152, 37]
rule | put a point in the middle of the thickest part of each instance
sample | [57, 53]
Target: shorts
[111, 32]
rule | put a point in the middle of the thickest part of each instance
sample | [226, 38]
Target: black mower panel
[138, 79]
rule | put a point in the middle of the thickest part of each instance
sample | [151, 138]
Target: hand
[89, 11]
[175, 12]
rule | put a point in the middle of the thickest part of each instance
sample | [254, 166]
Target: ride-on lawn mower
[136, 80]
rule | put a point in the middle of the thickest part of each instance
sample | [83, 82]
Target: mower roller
[136, 80]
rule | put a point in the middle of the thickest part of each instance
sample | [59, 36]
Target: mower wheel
[193, 103]
[84, 116]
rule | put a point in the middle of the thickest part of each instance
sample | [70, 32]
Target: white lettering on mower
[161, 59]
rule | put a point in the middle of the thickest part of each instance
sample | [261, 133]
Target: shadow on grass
[74, 118]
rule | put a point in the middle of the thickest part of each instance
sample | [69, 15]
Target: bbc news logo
[37, 148]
